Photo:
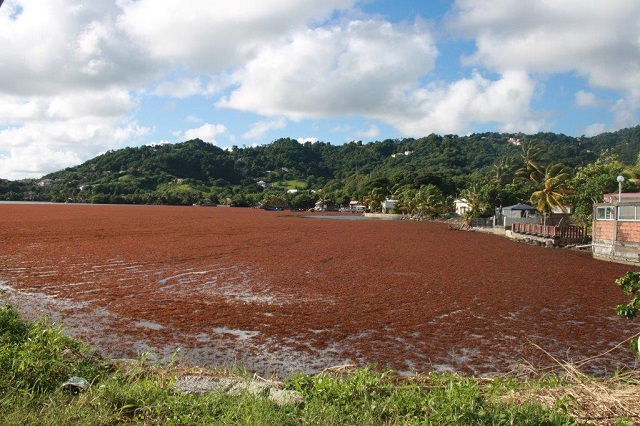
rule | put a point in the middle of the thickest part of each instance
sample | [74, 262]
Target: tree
[472, 195]
[375, 198]
[629, 283]
[405, 195]
[303, 200]
[502, 172]
[553, 186]
[429, 201]
[531, 169]
[591, 182]
[275, 199]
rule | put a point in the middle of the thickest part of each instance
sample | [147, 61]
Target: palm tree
[554, 185]
[531, 169]
[472, 196]
[502, 171]
[405, 195]
[375, 198]
[428, 200]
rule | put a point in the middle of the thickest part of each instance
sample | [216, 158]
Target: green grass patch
[290, 184]
[36, 358]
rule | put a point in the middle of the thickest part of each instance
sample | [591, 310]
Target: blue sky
[79, 77]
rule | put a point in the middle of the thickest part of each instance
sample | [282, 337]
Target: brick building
[616, 228]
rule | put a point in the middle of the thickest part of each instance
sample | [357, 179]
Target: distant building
[461, 206]
[322, 206]
[388, 205]
[354, 207]
[400, 154]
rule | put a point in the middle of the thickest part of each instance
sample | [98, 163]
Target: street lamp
[620, 179]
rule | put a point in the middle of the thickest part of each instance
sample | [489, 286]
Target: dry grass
[592, 401]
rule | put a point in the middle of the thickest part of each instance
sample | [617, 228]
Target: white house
[461, 206]
[355, 206]
[388, 205]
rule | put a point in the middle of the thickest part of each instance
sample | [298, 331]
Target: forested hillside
[486, 166]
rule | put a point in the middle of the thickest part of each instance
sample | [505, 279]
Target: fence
[482, 222]
[565, 234]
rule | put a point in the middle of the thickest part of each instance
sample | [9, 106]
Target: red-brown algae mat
[279, 292]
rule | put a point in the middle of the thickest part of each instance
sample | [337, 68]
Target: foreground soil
[282, 292]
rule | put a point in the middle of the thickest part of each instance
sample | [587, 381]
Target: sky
[82, 77]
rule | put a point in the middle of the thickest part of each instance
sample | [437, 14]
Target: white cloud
[261, 127]
[305, 140]
[596, 39]
[52, 46]
[67, 84]
[455, 107]
[213, 36]
[625, 112]
[207, 132]
[586, 99]
[594, 129]
[357, 68]
[36, 148]
[371, 133]
[67, 128]
[31, 160]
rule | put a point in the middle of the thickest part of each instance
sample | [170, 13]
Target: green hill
[195, 171]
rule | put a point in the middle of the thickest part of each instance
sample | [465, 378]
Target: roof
[626, 196]
[519, 206]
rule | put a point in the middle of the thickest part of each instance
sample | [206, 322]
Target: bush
[36, 358]
[629, 283]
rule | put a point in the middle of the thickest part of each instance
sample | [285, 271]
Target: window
[605, 213]
[628, 213]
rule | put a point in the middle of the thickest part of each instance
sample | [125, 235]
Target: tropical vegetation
[551, 171]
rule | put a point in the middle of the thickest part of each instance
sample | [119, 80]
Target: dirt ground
[279, 292]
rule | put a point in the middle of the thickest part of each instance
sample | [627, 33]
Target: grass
[36, 358]
[290, 184]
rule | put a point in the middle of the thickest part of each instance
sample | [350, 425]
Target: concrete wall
[385, 216]
[617, 251]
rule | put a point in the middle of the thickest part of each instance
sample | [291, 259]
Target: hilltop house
[616, 228]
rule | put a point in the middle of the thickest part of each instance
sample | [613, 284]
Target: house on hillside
[616, 228]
